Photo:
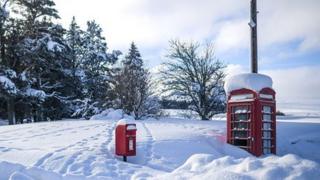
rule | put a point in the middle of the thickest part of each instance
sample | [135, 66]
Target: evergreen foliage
[132, 86]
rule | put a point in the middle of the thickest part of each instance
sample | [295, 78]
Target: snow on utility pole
[254, 38]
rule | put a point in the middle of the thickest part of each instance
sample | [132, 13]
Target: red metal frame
[254, 128]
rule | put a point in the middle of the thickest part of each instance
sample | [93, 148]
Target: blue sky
[288, 32]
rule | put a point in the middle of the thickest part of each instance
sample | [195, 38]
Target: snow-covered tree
[196, 75]
[132, 86]
[47, 72]
[8, 89]
[42, 57]
[95, 63]
[4, 15]
[74, 38]
[33, 11]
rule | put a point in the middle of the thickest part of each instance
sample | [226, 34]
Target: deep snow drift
[169, 148]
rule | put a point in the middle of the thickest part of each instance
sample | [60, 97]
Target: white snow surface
[36, 93]
[54, 46]
[252, 81]
[111, 114]
[7, 84]
[126, 121]
[169, 148]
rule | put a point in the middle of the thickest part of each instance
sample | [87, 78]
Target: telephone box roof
[252, 81]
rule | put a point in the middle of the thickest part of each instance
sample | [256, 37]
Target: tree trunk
[11, 111]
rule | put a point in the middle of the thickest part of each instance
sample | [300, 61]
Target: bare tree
[196, 75]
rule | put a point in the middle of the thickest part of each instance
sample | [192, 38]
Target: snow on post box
[251, 118]
[125, 138]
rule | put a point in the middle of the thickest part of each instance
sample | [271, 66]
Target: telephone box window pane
[266, 151]
[266, 134]
[240, 134]
[266, 126]
[241, 117]
[266, 109]
[240, 109]
[240, 142]
[267, 143]
[267, 117]
[240, 125]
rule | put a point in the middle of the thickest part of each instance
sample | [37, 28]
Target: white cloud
[288, 20]
[152, 23]
[296, 83]
[233, 35]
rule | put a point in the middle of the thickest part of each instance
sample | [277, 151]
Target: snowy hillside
[169, 148]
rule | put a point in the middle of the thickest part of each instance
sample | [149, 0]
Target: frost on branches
[194, 74]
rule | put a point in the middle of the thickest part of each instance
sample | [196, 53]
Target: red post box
[125, 138]
[251, 119]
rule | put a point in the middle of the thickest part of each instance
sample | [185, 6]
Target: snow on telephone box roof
[252, 81]
[125, 121]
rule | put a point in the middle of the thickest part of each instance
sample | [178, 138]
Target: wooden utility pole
[254, 39]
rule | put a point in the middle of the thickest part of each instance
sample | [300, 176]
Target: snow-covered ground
[169, 148]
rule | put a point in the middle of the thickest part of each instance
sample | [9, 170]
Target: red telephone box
[125, 138]
[251, 120]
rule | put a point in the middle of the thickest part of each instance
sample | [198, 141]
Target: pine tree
[132, 85]
[35, 10]
[43, 57]
[74, 39]
[8, 89]
[95, 63]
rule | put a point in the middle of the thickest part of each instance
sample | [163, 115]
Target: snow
[11, 73]
[54, 46]
[23, 76]
[8, 85]
[168, 148]
[36, 93]
[110, 114]
[252, 81]
[125, 122]
[4, 12]
[205, 166]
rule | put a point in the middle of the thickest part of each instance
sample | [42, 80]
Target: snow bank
[251, 81]
[205, 166]
[111, 114]
[13, 171]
